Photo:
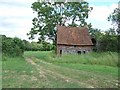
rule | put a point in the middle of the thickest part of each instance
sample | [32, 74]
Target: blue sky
[102, 2]
[16, 16]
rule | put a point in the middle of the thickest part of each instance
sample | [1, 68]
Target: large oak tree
[58, 13]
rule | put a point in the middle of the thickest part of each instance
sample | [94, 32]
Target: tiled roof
[73, 36]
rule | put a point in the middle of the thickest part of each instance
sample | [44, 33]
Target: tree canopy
[12, 46]
[58, 13]
[115, 18]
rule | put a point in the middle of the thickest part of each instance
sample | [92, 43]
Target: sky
[16, 16]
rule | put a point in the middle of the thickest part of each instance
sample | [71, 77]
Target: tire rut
[44, 72]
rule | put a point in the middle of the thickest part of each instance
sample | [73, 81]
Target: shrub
[12, 46]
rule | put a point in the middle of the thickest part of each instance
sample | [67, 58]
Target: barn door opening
[60, 51]
[79, 52]
[84, 52]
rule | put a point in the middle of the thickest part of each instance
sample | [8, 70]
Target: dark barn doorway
[60, 51]
[79, 52]
[84, 52]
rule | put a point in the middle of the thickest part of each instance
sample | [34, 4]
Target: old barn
[73, 40]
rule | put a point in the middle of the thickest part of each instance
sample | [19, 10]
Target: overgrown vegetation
[94, 58]
[105, 41]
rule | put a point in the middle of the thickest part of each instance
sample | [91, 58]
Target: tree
[47, 46]
[95, 33]
[115, 18]
[109, 41]
[95, 37]
[58, 13]
[104, 41]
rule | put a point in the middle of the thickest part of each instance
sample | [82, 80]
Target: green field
[43, 69]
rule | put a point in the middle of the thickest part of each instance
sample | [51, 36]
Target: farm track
[46, 72]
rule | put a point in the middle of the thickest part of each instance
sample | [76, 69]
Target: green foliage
[109, 42]
[47, 46]
[33, 46]
[115, 18]
[95, 33]
[49, 15]
[15, 47]
[12, 46]
[37, 46]
[105, 41]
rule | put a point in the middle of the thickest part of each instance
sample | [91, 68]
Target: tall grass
[94, 58]
[17, 64]
[37, 54]
[106, 58]
[18, 73]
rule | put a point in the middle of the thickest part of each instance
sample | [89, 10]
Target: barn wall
[73, 49]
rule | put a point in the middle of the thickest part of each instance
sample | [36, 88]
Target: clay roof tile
[73, 35]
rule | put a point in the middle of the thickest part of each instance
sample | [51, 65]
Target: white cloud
[15, 11]
[16, 17]
[99, 14]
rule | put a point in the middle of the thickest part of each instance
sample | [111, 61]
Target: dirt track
[45, 72]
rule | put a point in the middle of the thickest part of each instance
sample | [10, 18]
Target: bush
[37, 46]
[12, 46]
